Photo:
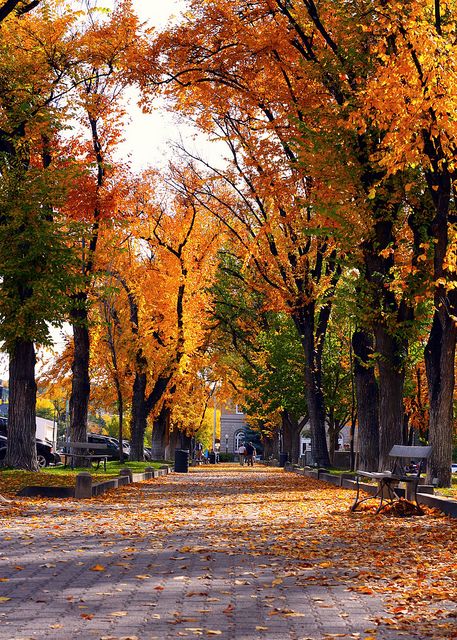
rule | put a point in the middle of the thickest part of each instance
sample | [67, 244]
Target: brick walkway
[189, 555]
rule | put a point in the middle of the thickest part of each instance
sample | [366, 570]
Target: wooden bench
[85, 450]
[388, 481]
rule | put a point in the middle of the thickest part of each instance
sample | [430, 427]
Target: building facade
[233, 429]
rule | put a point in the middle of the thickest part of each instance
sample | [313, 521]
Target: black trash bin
[212, 458]
[181, 460]
[283, 459]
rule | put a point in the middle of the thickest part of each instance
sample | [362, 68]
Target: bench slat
[404, 451]
[86, 445]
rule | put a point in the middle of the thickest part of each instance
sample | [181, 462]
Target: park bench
[388, 481]
[85, 450]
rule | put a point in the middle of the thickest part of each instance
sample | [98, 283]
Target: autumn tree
[17, 7]
[97, 81]
[36, 261]
[299, 73]
[411, 97]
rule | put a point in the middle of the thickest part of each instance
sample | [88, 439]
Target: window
[239, 439]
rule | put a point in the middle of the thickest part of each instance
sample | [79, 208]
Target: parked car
[454, 467]
[44, 449]
[125, 444]
[111, 446]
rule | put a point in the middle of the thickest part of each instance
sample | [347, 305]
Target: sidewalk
[222, 552]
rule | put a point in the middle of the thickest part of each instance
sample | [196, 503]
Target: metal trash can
[212, 458]
[181, 460]
[283, 459]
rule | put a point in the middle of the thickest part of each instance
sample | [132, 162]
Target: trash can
[181, 460]
[283, 459]
[212, 458]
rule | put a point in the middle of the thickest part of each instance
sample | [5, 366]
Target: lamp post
[226, 443]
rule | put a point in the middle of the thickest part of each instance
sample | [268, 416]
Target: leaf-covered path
[224, 552]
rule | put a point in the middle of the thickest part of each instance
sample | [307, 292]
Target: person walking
[242, 454]
[250, 453]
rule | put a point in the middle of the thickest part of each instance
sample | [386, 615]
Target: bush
[226, 457]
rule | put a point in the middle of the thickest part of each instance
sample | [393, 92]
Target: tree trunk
[21, 446]
[391, 384]
[270, 447]
[367, 394]
[120, 412]
[291, 436]
[304, 321]
[439, 360]
[160, 435]
[333, 432]
[80, 385]
[174, 442]
[139, 417]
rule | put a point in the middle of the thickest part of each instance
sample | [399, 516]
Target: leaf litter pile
[303, 525]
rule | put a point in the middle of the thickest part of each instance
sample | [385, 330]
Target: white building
[46, 429]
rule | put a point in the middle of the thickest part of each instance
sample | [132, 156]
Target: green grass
[450, 492]
[112, 468]
[13, 480]
[339, 472]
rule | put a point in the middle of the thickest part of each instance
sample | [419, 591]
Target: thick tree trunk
[291, 436]
[439, 360]
[440, 350]
[367, 395]
[80, 385]
[270, 447]
[391, 385]
[174, 442]
[160, 435]
[21, 447]
[304, 321]
[120, 412]
[139, 417]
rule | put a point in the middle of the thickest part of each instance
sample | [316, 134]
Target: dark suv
[44, 452]
[110, 446]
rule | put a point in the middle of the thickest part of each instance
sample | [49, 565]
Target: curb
[93, 489]
[446, 505]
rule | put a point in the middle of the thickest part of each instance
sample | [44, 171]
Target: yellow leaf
[4, 599]
[98, 567]
[118, 614]
[276, 581]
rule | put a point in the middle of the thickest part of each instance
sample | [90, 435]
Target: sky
[149, 137]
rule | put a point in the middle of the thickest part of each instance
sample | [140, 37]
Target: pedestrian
[250, 453]
[242, 454]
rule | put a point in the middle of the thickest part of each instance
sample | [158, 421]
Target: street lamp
[226, 443]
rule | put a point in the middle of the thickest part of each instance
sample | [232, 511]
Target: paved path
[214, 553]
